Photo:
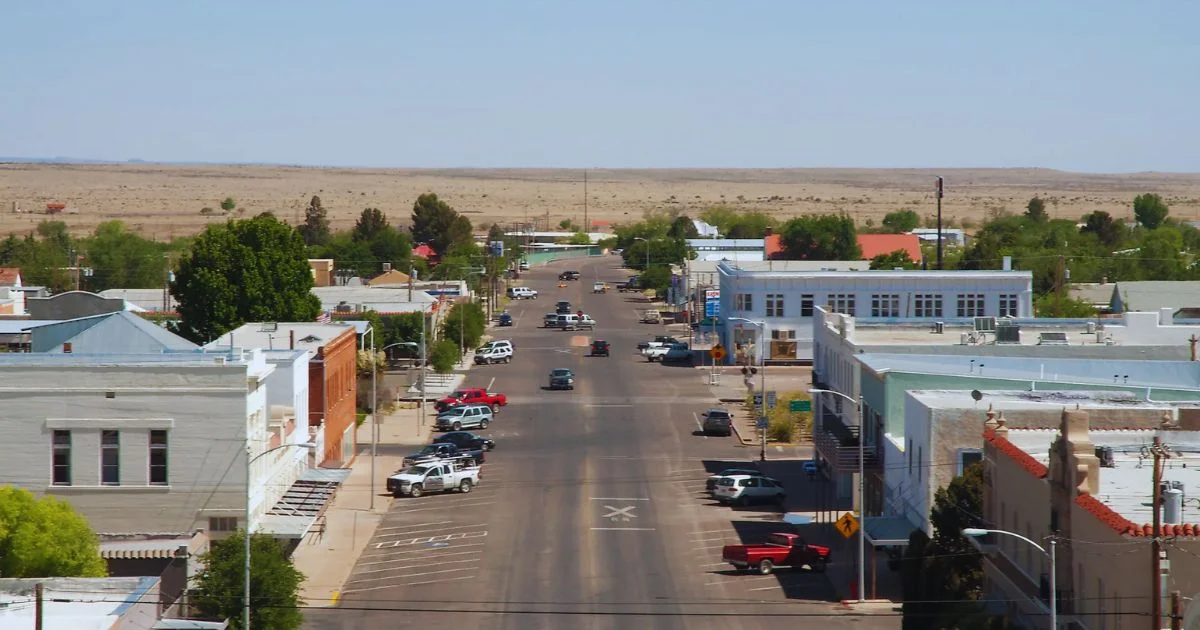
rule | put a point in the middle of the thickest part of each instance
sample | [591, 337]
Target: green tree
[720, 217]
[436, 223]
[820, 237]
[657, 278]
[1149, 210]
[243, 271]
[370, 223]
[1051, 305]
[43, 257]
[1035, 210]
[465, 322]
[228, 204]
[45, 538]
[315, 229]
[901, 221]
[663, 252]
[349, 254]
[444, 355]
[122, 259]
[1161, 255]
[898, 258]
[579, 238]
[402, 327]
[753, 224]
[274, 583]
[1101, 224]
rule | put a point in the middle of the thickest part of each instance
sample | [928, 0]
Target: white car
[522, 293]
[494, 354]
[747, 489]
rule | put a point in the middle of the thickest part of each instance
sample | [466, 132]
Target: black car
[599, 348]
[563, 307]
[438, 451]
[717, 421]
[569, 275]
[505, 319]
[562, 378]
[465, 440]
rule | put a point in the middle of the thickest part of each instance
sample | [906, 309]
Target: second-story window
[62, 458]
[158, 458]
[743, 302]
[885, 305]
[110, 458]
[842, 303]
[774, 305]
[806, 305]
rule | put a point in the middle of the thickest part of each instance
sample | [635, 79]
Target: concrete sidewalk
[326, 558]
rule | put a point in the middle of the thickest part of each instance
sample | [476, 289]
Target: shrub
[781, 430]
[444, 355]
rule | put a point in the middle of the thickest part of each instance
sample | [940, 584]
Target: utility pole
[939, 226]
[1159, 451]
[39, 593]
[1176, 617]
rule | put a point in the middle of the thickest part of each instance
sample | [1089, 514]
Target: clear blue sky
[1102, 86]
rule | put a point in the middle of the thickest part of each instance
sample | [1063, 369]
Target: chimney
[67, 348]
[292, 339]
[1192, 342]
[387, 266]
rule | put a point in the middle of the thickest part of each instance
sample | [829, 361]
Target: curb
[741, 439]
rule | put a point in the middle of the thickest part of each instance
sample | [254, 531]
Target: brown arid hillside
[164, 201]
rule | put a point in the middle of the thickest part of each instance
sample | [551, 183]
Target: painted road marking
[428, 539]
[699, 427]
[490, 383]
[624, 513]
[415, 525]
[380, 588]
[390, 554]
[416, 566]
[443, 507]
[407, 554]
[384, 577]
[617, 499]
[433, 529]
[622, 529]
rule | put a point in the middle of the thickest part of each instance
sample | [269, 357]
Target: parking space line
[442, 507]
[434, 498]
[711, 531]
[617, 499]
[467, 577]
[421, 540]
[411, 558]
[702, 540]
[431, 529]
[378, 529]
[699, 427]
[384, 577]
[380, 588]
[413, 566]
[622, 529]
[389, 554]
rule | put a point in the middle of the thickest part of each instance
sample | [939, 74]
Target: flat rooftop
[1127, 487]
[1116, 373]
[180, 358]
[1040, 401]
[867, 332]
[308, 336]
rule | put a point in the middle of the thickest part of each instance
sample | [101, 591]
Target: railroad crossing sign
[847, 525]
[717, 352]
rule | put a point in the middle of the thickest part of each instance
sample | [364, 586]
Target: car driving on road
[599, 348]
[562, 378]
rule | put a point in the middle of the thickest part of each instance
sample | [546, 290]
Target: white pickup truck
[434, 476]
[657, 351]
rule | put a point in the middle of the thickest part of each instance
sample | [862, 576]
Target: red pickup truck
[472, 396]
[781, 551]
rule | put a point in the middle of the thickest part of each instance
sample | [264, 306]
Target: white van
[575, 322]
[522, 293]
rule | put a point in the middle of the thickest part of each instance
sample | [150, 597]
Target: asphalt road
[591, 512]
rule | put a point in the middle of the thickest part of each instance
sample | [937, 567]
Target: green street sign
[796, 406]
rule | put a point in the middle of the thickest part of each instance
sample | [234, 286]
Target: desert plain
[167, 201]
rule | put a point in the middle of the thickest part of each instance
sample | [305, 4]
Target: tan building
[322, 271]
[1093, 489]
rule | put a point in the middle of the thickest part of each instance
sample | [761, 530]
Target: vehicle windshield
[560, 373]
[718, 414]
[726, 481]
[460, 394]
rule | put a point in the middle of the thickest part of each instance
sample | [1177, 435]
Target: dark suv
[717, 421]
[599, 348]
[563, 307]
[569, 275]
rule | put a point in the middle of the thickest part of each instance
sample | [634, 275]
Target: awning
[303, 503]
[151, 549]
[887, 531]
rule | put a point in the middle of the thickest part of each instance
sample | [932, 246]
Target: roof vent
[269, 327]
[1105, 454]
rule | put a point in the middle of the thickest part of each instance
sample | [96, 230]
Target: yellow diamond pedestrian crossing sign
[847, 525]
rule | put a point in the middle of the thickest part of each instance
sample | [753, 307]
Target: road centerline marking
[622, 529]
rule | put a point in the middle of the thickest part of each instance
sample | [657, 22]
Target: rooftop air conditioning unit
[985, 324]
[1010, 333]
[269, 327]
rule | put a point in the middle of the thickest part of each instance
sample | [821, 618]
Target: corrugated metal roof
[303, 503]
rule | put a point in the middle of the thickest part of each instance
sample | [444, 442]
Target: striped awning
[153, 549]
[303, 503]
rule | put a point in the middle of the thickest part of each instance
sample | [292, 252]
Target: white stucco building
[785, 301]
[152, 443]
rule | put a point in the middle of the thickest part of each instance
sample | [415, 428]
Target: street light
[862, 501]
[975, 532]
[762, 373]
[246, 575]
[638, 238]
[374, 411]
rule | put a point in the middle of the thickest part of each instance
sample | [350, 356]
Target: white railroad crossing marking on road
[430, 539]
[623, 514]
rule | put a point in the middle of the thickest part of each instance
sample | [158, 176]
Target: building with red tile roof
[873, 245]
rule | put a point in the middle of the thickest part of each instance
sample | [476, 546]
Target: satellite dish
[977, 395]
[1191, 616]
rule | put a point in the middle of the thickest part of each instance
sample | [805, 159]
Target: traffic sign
[797, 406]
[717, 352]
[847, 526]
[770, 399]
[762, 422]
[757, 399]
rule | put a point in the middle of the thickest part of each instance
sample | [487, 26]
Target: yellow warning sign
[717, 352]
[847, 525]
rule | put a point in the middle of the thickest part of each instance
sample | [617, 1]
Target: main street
[591, 511]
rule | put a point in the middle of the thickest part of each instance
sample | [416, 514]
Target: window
[970, 305]
[774, 305]
[927, 305]
[158, 458]
[743, 302]
[842, 303]
[110, 458]
[920, 475]
[222, 524]
[1008, 305]
[968, 456]
[885, 305]
[62, 458]
[806, 305]
[909, 457]
[783, 335]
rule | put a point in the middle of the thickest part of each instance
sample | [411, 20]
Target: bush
[444, 355]
[465, 321]
[781, 430]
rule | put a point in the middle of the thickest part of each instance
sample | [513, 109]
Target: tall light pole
[762, 387]
[246, 575]
[638, 238]
[975, 532]
[374, 411]
[862, 501]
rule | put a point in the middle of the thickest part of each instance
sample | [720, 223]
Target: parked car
[659, 340]
[435, 452]
[678, 353]
[710, 484]
[464, 417]
[523, 265]
[550, 320]
[562, 306]
[599, 287]
[562, 378]
[658, 353]
[522, 293]
[498, 354]
[505, 320]
[651, 316]
[747, 489]
[717, 421]
[569, 275]
[434, 476]
[599, 348]
[781, 551]
[496, 343]
[465, 440]
[472, 396]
